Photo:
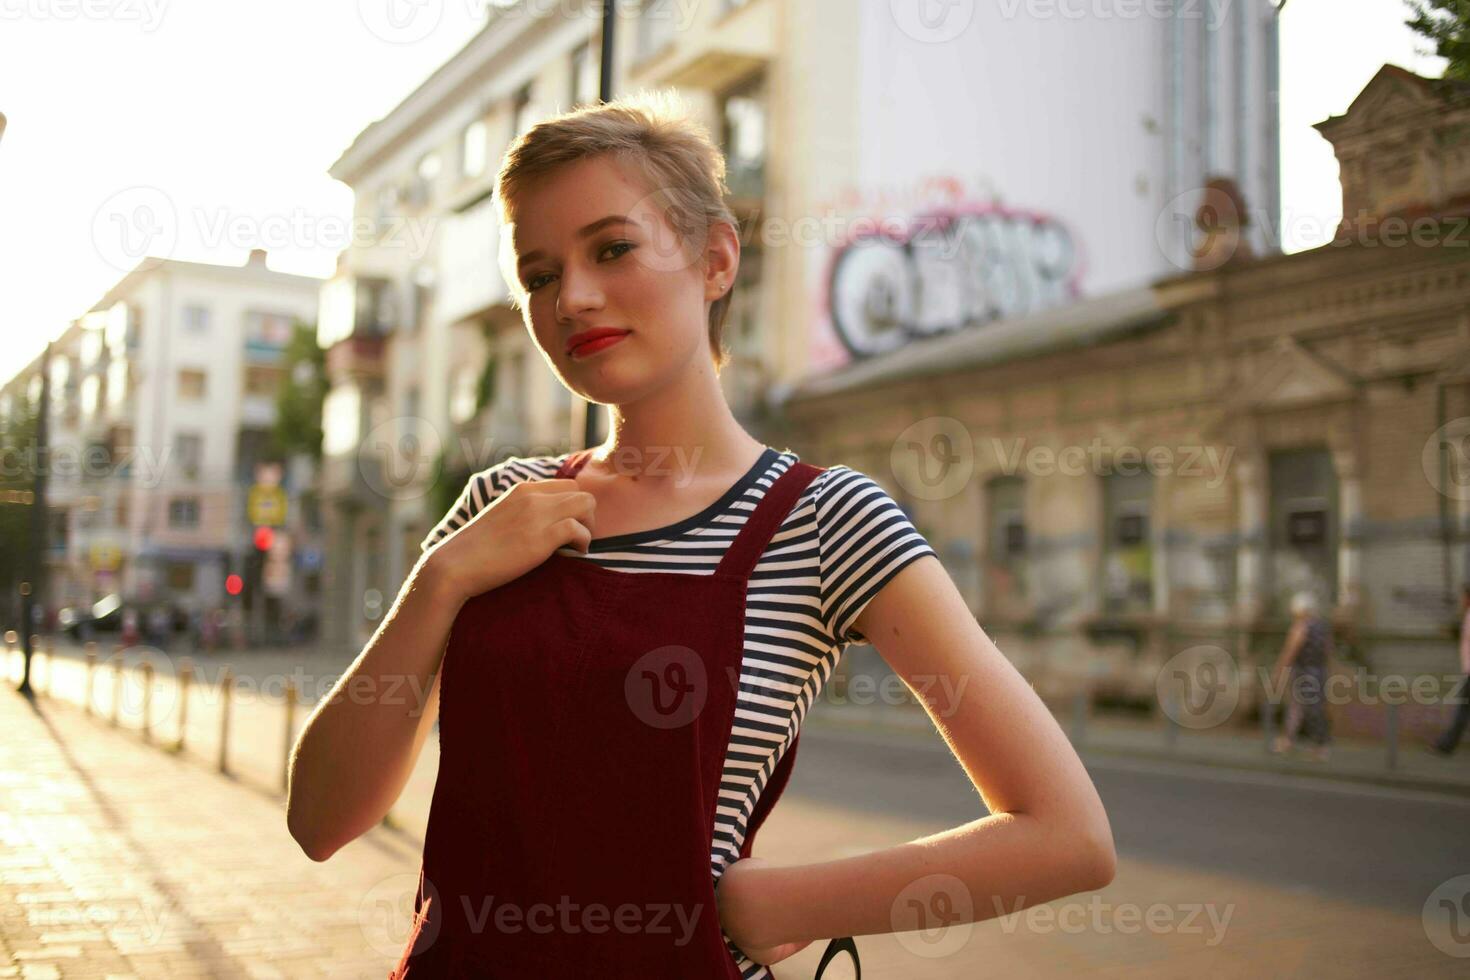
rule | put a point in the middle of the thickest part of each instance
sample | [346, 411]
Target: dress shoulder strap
[745, 551]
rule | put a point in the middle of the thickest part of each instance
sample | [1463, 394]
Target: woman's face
[593, 250]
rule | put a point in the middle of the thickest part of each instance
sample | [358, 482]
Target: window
[423, 297]
[117, 382]
[585, 75]
[462, 394]
[520, 111]
[743, 115]
[262, 380]
[196, 318]
[472, 149]
[425, 174]
[188, 453]
[1005, 545]
[1127, 585]
[341, 420]
[123, 328]
[180, 576]
[376, 307]
[742, 323]
[267, 334]
[411, 403]
[183, 512]
[387, 204]
[91, 394]
[1304, 527]
[191, 384]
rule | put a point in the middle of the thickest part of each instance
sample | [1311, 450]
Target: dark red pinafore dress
[584, 718]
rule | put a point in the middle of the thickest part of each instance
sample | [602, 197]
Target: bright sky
[226, 115]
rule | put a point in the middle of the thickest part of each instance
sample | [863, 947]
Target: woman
[619, 713]
[1303, 663]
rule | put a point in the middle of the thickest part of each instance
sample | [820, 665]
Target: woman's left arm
[1046, 836]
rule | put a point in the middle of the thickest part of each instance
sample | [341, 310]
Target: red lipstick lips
[590, 341]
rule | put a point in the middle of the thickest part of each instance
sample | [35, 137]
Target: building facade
[1161, 469]
[895, 179]
[163, 397]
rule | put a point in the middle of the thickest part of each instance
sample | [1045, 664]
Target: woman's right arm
[359, 747]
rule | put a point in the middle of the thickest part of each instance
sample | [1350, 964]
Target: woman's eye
[536, 282]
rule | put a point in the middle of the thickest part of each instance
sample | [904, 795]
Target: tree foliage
[1447, 24]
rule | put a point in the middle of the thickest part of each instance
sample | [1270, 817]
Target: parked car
[82, 623]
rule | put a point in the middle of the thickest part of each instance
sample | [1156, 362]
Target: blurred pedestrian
[1446, 743]
[1303, 661]
[130, 627]
[159, 624]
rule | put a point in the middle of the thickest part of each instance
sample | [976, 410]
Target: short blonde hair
[653, 133]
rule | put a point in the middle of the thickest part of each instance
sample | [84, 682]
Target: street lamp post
[591, 429]
[33, 591]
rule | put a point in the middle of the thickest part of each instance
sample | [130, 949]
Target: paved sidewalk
[120, 860]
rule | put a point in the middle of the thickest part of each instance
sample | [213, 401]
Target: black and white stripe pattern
[841, 542]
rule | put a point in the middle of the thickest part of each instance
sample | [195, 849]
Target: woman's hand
[738, 896]
[515, 533]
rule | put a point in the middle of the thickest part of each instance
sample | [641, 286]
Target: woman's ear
[721, 259]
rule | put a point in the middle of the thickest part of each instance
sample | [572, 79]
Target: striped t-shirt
[841, 542]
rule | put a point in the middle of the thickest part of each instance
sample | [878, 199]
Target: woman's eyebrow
[583, 232]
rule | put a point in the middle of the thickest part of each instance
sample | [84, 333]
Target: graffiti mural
[946, 270]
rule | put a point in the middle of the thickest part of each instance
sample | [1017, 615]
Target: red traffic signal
[234, 584]
[264, 536]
